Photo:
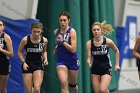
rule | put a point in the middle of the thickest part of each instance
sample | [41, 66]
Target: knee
[103, 91]
[73, 85]
[36, 89]
[64, 83]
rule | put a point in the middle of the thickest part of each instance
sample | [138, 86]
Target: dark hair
[37, 25]
[64, 13]
[2, 21]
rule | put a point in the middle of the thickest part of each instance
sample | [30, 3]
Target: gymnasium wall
[127, 22]
[18, 9]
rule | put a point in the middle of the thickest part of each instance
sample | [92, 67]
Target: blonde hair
[105, 28]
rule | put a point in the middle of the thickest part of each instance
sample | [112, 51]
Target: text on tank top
[34, 51]
[100, 53]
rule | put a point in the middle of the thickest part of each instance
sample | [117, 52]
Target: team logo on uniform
[78, 62]
[66, 36]
[35, 45]
[104, 48]
[41, 46]
[1, 42]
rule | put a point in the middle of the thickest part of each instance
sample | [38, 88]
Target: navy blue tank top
[3, 57]
[62, 52]
[100, 53]
[34, 51]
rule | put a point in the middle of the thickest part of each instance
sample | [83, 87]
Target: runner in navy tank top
[6, 51]
[101, 63]
[67, 58]
[34, 46]
[98, 58]
[34, 55]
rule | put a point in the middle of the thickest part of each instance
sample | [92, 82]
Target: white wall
[18, 9]
[129, 74]
[124, 8]
[119, 12]
[132, 8]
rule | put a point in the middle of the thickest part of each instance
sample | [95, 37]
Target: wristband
[63, 41]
